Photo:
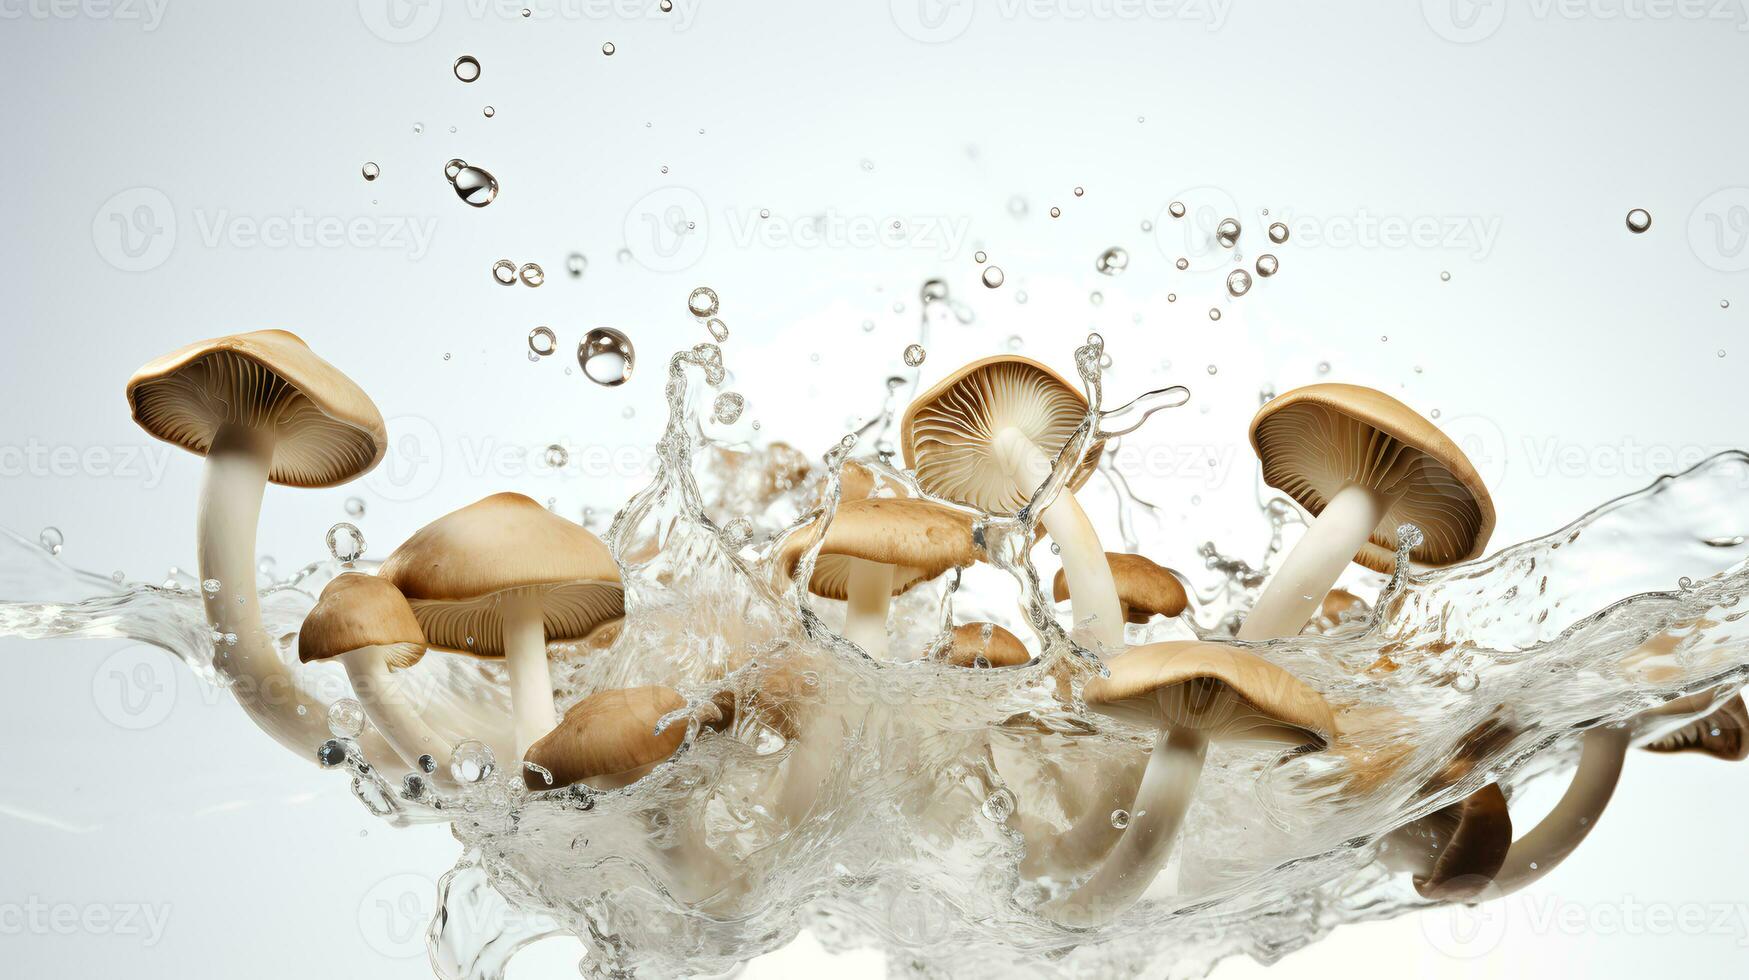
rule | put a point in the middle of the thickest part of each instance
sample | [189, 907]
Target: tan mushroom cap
[1144, 589]
[1314, 440]
[1227, 693]
[1477, 834]
[921, 539]
[1719, 734]
[357, 611]
[329, 431]
[947, 431]
[609, 738]
[459, 568]
[997, 646]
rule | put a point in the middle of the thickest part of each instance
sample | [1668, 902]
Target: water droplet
[371, 171]
[1465, 682]
[211, 586]
[542, 342]
[1724, 304]
[719, 330]
[935, 290]
[474, 186]
[418, 128]
[345, 542]
[1323, 367]
[1014, 342]
[471, 761]
[1639, 221]
[1096, 297]
[1214, 369]
[1214, 313]
[346, 718]
[1120, 819]
[532, 274]
[557, 456]
[331, 753]
[998, 806]
[993, 276]
[354, 507]
[1182, 264]
[868, 326]
[1020, 297]
[1721, 352]
[51, 539]
[1384, 338]
[608, 49]
[914, 355]
[1112, 262]
[1445, 276]
[1238, 282]
[467, 68]
[1434, 413]
[1056, 212]
[1171, 297]
[488, 112]
[606, 357]
[1227, 232]
[1176, 209]
[1147, 225]
[1079, 192]
[702, 302]
[504, 271]
[1278, 233]
[667, 6]
[727, 408]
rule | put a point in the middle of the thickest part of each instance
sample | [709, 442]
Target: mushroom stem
[391, 708]
[531, 682]
[1091, 835]
[1330, 543]
[1092, 591]
[1170, 781]
[869, 591]
[1549, 842]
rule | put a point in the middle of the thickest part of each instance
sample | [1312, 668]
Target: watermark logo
[1483, 443]
[667, 229]
[413, 466]
[1464, 21]
[1188, 228]
[932, 21]
[401, 21]
[135, 230]
[1465, 932]
[135, 687]
[395, 913]
[1718, 230]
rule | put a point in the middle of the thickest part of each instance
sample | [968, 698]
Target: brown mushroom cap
[921, 539]
[948, 430]
[1227, 693]
[457, 570]
[357, 611]
[1719, 734]
[1314, 440]
[1477, 834]
[609, 738]
[329, 431]
[997, 646]
[1144, 589]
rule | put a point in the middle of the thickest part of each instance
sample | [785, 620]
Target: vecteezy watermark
[943, 235]
[137, 229]
[1475, 234]
[146, 13]
[135, 687]
[34, 917]
[142, 464]
[940, 21]
[1470, 21]
[1469, 932]
[1718, 229]
[420, 454]
[406, 21]
[667, 229]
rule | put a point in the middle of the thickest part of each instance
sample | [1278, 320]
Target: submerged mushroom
[1719, 735]
[365, 623]
[1364, 464]
[985, 436]
[985, 645]
[609, 740]
[502, 577]
[1454, 853]
[1193, 693]
[262, 409]
[1144, 589]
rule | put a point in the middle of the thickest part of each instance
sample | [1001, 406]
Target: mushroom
[1719, 735]
[985, 436]
[1144, 589]
[877, 548]
[262, 409]
[1455, 852]
[1193, 693]
[1363, 463]
[502, 577]
[985, 645]
[609, 740]
[367, 624]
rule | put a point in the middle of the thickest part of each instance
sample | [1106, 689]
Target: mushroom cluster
[1004, 439]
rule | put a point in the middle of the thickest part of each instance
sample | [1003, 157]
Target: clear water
[917, 842]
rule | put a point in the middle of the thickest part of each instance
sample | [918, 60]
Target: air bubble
[557, 456]
[1227, 232]
[608, 49]
[354, 507]
[51, 539]
[371, 171]
[606, 357]
[702, 302]
[1112, 262]
[993, 276]
[471, 761]
[474, 186]
[1278, 233]
[1639, 221]
[504, 271]
[728, 407]
[914, 355]
[1268, 265]
[532, 274]
[719, 330]
[467, 68]
[345, 542]
[542, 342]
[1238, 282]
[1176, 209]
[346, 718]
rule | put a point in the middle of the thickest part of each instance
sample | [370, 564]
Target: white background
[1575, 361]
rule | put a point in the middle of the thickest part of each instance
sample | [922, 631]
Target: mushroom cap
[1314, 440]
[997, 646]
[355, 611]
[610, 738]
[1719, 734]
[919, 538]
[458, 569]
[1477, 834]
[1225, 692]
[948, 431]
[329, 431]
[1144, 589]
